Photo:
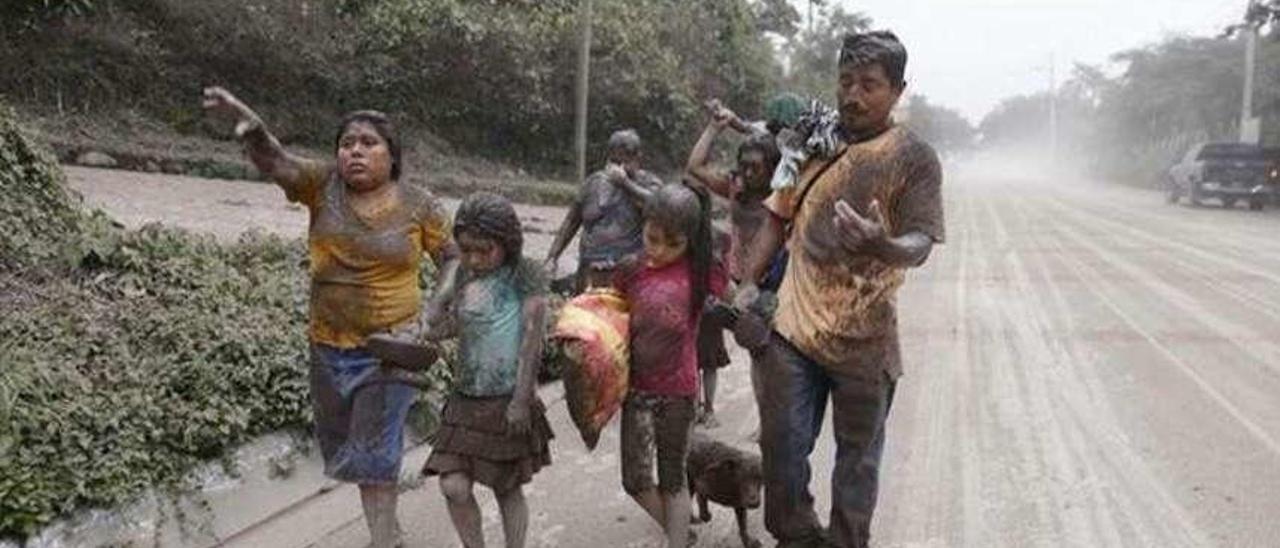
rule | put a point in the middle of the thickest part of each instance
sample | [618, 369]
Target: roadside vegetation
[1130, 122]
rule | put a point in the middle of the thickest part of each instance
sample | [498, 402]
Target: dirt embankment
[137, 144]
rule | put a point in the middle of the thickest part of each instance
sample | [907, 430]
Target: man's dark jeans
[792, 391]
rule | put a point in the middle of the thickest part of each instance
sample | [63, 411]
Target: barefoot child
[493, 429]
[745, 187]
[665, 288]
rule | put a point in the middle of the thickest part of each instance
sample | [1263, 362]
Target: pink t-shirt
[664, 331]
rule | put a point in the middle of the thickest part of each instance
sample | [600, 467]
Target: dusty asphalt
[1086, 366]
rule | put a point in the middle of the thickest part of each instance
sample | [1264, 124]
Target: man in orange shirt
[853, 224]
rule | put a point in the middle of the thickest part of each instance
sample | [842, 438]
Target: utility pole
[580, 111]
[1248, 125]
[811, 2]
[1053, 110]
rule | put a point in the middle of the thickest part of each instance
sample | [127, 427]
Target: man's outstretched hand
[857, 231]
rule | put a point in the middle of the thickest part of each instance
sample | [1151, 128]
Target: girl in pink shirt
[666, 288]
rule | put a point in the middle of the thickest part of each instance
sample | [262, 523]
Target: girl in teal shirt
[494, 430]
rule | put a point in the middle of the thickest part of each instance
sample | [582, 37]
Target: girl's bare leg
[379, 503]
[515, 516]
[676, 507]
[463, 509]
[651, 501]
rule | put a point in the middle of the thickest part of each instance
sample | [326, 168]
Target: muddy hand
[220, 102]
[433, 316]
[751, 332]
[518, 417]
[615, 172]
[855, 230]
[721, 116]
[745, 297]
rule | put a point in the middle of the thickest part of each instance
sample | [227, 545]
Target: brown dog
[724, 475]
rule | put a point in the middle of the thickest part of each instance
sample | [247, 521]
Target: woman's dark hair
[489, 215]
[383, 126]
[880, 47]
[686, 210]
[764, 143]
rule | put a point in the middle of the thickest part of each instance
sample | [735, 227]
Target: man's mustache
[854, 110]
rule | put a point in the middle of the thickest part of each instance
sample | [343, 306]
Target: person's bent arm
[699, 165]
[908, 250]
[533, 313]
[446, 287]
[763, 247]
[263, 149]
[629, 185]
[568, 229]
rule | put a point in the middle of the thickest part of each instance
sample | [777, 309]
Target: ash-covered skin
[499, 312]
[608, 210]
[368, 231]
[367, 237]
[858, 221]
[745, 187]
[872, 66]
[491, 242]
[726, 476]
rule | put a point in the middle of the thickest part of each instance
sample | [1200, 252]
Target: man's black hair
[764, 143]
[877, 47]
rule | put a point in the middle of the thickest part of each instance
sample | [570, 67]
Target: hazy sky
[969, 54]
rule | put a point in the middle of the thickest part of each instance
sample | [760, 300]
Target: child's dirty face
[755, 173]
[480, 254]
[661, 246]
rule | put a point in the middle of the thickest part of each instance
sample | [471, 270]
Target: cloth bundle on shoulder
[814, 134]
[593, 331]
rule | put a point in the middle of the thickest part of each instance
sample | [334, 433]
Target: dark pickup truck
[1228, 172]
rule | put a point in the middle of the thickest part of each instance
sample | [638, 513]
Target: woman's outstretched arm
[263, 148]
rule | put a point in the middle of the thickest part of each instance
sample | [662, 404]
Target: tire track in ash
[1255, 387]
[1056, 456]
[919, 488]
[1127, 504]
[1032, 487]
[1230, 283]
[1214, 227]
[1174, 236]
[1218, 464]
[1064, 419]
[1250, 328]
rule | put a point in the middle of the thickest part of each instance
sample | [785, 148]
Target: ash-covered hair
[491, 216]
[383, 126]
[686, 210]
[876, 48]
[625, 141]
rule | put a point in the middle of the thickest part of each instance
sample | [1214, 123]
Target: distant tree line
[494, 78]
[1166, 96]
